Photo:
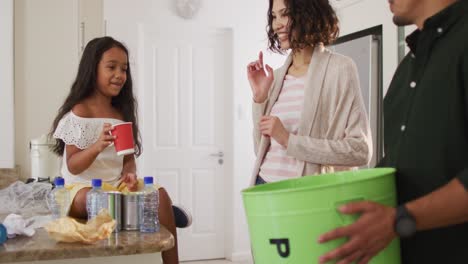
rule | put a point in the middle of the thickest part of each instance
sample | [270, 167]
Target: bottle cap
[96, 182]
[59, 181]
[148, 180]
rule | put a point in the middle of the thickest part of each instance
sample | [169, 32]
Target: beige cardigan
[334, 132]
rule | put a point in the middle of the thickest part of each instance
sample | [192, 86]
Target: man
[426, 140]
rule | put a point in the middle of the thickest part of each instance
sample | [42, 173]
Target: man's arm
[443, 207]
[374, 229]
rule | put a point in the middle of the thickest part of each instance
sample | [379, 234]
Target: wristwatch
[405, 224]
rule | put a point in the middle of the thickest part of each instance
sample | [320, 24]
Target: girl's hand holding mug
[105, 138]
[259, 81]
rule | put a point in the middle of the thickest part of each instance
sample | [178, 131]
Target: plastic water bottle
[148, 204]
[95, 199]
[59, 199]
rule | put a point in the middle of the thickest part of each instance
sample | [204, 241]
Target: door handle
[218, 155]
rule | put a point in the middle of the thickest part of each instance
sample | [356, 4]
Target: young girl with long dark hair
[102, 96]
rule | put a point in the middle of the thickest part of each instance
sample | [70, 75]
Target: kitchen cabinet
[48, 38]
[91, 24]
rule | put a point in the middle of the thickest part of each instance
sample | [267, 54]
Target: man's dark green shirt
[426, 127]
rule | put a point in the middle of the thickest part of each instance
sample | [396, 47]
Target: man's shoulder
[455, 43]
[460, 29]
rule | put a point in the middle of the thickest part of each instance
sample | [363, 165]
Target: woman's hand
[259, 81]
[271, 126]
[105, 139]
[131, 181]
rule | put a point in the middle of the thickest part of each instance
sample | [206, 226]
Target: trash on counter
[69, 230]
[114, 207]
[3, 234]
[58, 199]
[17, 225]
[95, 199]
[26, 200]
[148, 207]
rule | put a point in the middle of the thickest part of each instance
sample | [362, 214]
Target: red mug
[123, 142]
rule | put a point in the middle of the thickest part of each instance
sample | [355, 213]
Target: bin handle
[347, 219]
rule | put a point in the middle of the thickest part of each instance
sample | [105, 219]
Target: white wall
[46, 60]
[369, 13]
[6, 85]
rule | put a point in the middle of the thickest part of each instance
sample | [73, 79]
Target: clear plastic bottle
[95, 199]
[148, 204]
[59, 199]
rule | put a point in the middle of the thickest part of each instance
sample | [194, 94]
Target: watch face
[405, 227]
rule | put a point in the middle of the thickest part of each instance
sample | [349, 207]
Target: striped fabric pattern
[277, 165]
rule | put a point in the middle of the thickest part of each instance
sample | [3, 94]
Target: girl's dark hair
[311, 22]
[85, 85]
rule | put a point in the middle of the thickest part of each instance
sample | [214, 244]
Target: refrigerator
[365, 48]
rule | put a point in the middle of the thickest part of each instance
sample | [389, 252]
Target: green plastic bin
[286, 218]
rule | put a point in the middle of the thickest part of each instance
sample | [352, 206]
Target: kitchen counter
[40, 247]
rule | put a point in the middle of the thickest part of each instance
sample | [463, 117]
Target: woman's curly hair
[310, 22]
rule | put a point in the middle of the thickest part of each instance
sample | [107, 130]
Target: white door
[185, 81]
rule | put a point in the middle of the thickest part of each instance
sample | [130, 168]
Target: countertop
[41, 247]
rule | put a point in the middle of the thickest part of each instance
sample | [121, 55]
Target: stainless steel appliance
[365, 48]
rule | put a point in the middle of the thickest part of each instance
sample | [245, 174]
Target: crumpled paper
[17, 225]
[67, 229]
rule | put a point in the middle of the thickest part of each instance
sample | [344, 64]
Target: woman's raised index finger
[260, 57]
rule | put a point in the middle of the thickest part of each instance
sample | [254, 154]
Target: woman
[309, 117]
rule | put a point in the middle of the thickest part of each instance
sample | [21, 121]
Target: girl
[101, 96]
[309, 117]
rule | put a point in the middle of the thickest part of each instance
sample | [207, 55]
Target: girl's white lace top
[82, 133]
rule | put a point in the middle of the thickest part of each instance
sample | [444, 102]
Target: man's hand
[131, 181]
[370, 234]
